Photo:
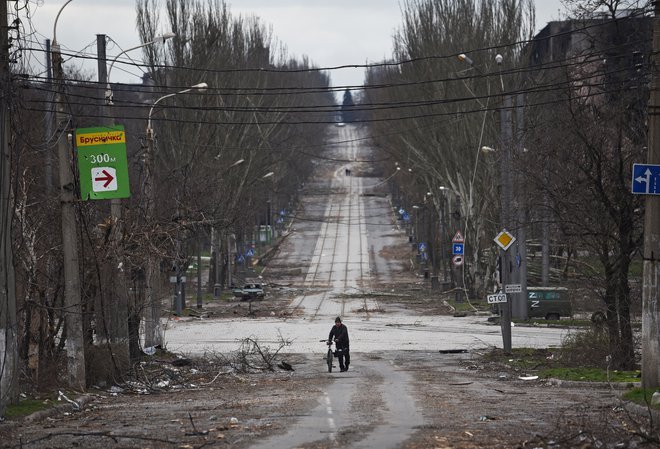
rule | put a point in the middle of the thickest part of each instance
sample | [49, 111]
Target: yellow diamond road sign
[504, 240]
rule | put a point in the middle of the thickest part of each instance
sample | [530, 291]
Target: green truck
[550, 303]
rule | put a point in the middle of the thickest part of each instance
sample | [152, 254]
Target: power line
[370, 107]
[595, 24]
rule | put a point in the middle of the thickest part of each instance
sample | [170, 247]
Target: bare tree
[598, 94]
[445, 108]
[214, 148]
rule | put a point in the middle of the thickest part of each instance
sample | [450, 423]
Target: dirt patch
[471, 401]
[467, 401]
[201, 404]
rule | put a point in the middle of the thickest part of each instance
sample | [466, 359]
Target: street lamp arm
[56, 19]
[151, 110]
[200, 87]
[158, 39]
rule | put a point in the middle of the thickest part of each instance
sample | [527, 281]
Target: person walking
[339, 333]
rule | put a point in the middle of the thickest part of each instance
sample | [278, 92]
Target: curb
[642, 411]
[593, 385]
[61, 408]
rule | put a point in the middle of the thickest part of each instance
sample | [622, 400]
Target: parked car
[249, 291]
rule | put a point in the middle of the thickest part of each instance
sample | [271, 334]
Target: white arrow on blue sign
[457, 249]
[646, 179]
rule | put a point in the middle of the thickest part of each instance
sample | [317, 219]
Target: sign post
[458, 251]
[504, 240]
[102, 163]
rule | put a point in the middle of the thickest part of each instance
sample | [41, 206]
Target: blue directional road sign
[646, 179]
[457, 249]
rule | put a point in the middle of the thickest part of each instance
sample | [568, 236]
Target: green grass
[524, 359]
[590, 375]
[465, 306]
[26, 407]
[548, 363]
[566, 322]
[462, 306]
[641, 396]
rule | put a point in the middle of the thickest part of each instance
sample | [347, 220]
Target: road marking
[331, 421]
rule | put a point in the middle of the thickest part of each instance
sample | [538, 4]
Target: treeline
[213, 166]
[492, 128]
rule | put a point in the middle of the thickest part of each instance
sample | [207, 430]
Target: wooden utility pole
[8, 323]
[75, 346]
[651, 291]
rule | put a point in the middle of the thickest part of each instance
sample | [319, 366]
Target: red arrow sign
[107, 178]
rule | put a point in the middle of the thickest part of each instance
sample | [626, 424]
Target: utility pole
[229, 263]
[48, 158]
[105, 309]
[75, 347]
[120, 311]
[199, 274]
[520, 306]
[8, 329]
[152, 328]
[505, 199]
[650, 303]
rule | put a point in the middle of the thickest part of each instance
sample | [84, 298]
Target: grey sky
[330, 33]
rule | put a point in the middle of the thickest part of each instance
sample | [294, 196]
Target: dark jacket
[341, 335]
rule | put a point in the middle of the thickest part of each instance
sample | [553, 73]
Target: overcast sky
[329, 32]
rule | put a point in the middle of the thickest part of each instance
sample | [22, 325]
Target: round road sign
[457, 260]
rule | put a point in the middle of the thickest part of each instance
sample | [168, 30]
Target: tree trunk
[626, 356]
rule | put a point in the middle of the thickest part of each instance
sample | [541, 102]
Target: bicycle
[331, 354]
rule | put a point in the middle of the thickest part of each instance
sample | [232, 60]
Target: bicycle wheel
[329, 359]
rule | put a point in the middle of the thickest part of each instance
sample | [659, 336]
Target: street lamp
[153, 334]
[505, 195]
[157, 40]
[215, 248]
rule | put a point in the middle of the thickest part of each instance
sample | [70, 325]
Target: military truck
[551, 303]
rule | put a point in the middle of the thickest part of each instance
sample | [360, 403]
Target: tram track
[340, 261]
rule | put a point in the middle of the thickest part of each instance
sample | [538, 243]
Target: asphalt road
[337, 247]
